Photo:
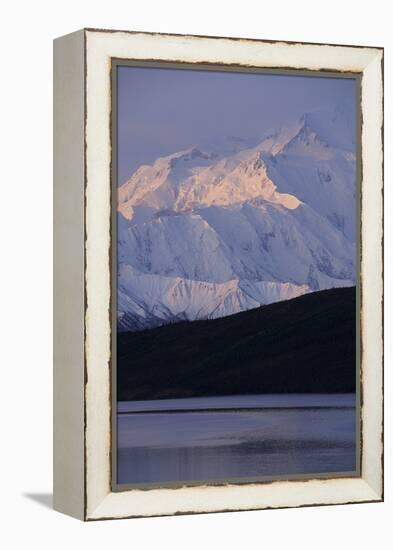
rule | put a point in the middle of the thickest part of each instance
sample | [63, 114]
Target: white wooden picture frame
[82, 258]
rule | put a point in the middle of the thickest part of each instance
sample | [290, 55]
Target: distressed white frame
[100, 501]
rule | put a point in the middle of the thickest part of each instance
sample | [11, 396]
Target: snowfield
[207, 233]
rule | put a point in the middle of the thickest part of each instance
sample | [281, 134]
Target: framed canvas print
[218, 274]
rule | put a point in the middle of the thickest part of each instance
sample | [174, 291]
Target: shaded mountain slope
[307, 344]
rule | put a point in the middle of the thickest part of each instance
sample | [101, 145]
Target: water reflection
[214, 445]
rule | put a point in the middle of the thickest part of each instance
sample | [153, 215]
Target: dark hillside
[302, 345]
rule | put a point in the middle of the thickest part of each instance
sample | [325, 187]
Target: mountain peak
[209, 231]
[335, 126]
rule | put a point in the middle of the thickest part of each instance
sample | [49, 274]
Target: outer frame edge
[375, 498]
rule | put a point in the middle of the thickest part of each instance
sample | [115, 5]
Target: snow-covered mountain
[208, 233]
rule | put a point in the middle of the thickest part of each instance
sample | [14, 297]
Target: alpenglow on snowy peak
[204, 234]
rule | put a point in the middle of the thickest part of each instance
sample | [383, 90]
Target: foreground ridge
[307, 344]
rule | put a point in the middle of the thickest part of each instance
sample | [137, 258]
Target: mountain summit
[204, 234]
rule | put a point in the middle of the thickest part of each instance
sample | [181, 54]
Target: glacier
[205, 233]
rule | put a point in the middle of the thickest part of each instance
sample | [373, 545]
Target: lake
[251, 436]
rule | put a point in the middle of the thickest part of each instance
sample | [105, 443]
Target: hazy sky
[162, 111]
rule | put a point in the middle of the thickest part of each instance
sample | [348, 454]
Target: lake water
[216, 438]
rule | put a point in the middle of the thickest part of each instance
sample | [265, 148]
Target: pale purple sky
[161, 111]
